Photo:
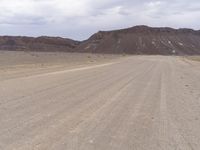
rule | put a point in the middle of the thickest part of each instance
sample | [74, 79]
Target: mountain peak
[134, 40]
[144, 40]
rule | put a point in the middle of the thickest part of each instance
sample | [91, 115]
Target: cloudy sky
[78, 19]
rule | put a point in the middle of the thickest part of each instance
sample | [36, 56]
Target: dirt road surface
[135, 103]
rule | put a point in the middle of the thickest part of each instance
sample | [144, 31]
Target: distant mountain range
[43, 43]
[136, 40]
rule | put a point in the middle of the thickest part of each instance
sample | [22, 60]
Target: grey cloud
[79, 19]
[23, 20]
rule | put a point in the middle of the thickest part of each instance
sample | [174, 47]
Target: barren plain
[102, 102]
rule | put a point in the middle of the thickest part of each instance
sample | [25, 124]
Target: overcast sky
[78, 19]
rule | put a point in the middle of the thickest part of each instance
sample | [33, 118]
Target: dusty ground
[134, 103]
[16, 64]
[194, 58]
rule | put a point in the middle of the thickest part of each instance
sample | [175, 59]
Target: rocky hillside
[144, 40]
[136, 40]
[37, 44]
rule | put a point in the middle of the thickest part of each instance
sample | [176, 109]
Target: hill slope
[37, 44]
[136, 40]
[144, 40]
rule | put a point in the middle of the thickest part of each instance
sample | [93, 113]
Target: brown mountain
[136, 40]
[144, 40]
[42, 43]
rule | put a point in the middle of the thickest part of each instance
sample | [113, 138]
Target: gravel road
[134, 103]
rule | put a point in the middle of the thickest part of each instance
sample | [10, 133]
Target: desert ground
[51, 101]
[194, 58]
[18, 63]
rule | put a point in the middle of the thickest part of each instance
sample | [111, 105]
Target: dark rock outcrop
[17, 43]
[136, 40]
[144, 40]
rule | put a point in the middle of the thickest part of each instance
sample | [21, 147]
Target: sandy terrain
[133, 103]
[194, 58]
[16, 63]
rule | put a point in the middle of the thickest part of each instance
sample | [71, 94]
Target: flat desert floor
[100, 102]
[18, 63]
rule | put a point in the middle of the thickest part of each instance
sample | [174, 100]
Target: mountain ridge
[134, 40]
[41, 43]
[144, 40]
